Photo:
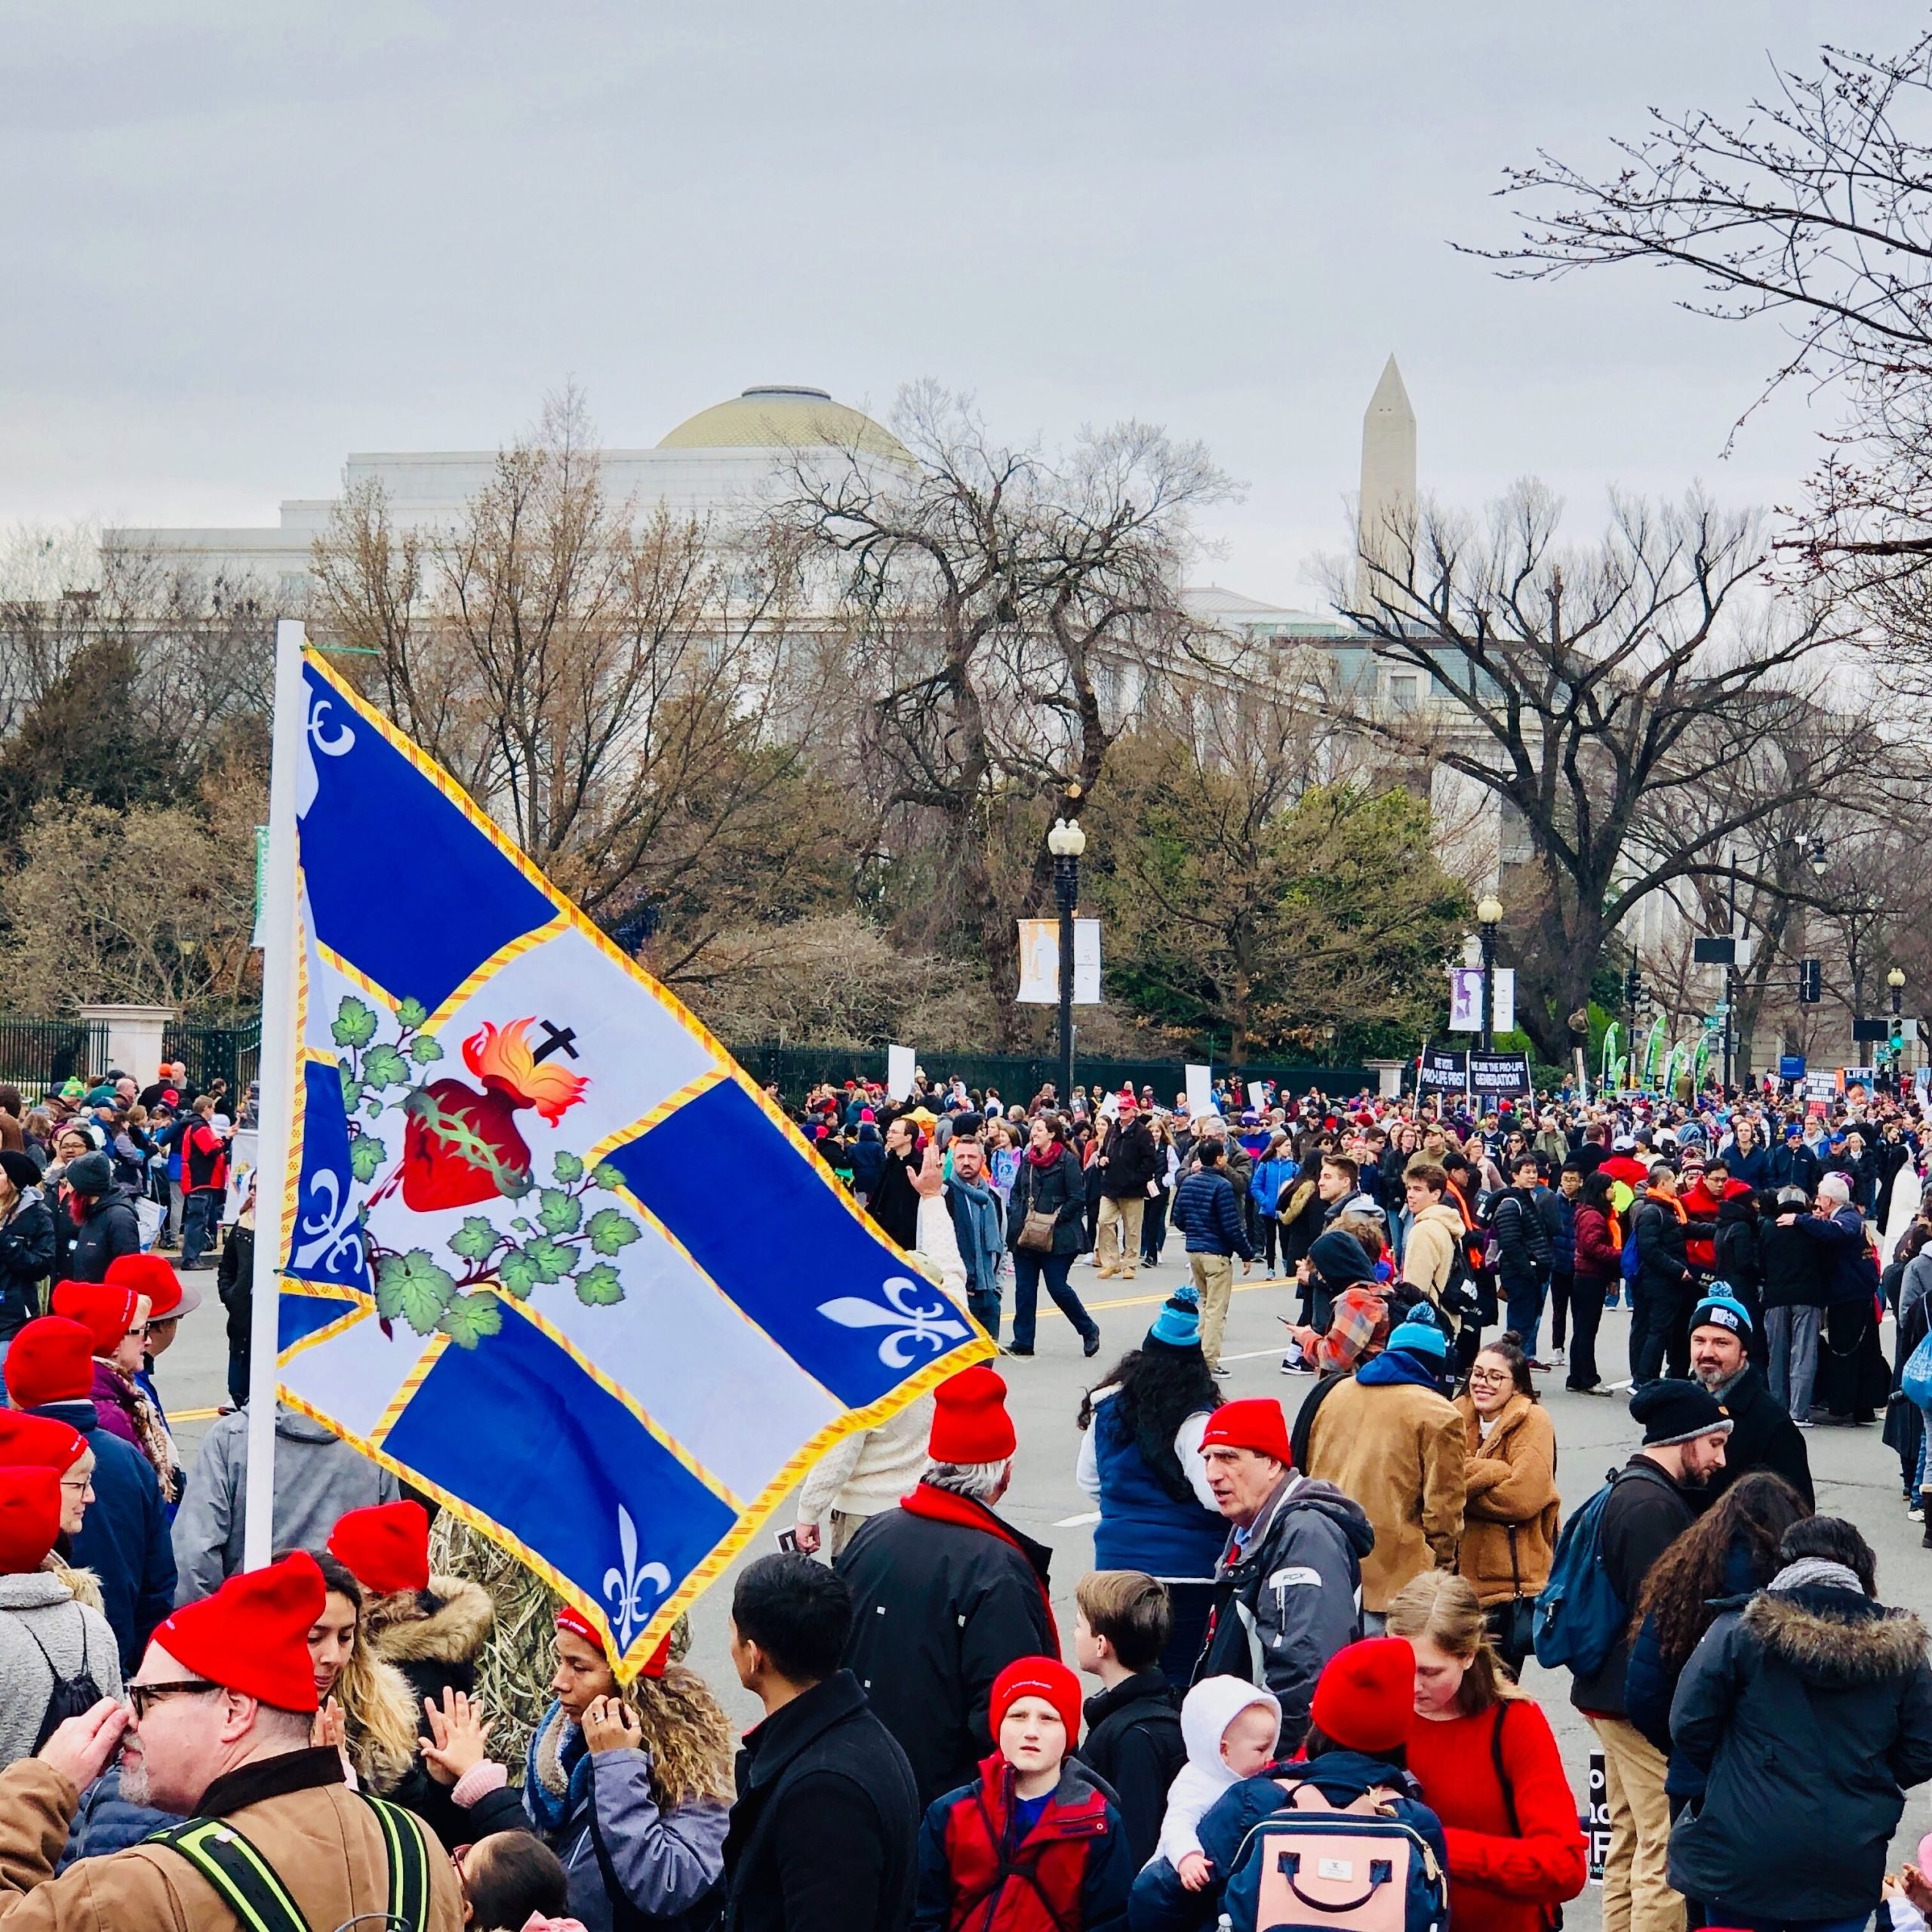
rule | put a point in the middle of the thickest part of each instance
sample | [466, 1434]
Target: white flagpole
[277, 1091]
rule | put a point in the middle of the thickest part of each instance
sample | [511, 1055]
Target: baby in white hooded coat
[1230, 1729]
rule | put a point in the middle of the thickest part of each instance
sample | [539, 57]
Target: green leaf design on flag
[366, 1154]
[411, 1014]
[384, 1066]
[354, 1023]
[607, 1176]
[598, 1287]
[568, 1168]
[412, 1286]
[611, 1232]
[352, 1089]
[474, 1239]
[518, 1274]
[558, 1213]
[552, 1259]
[425, 1049]
[469, 1317]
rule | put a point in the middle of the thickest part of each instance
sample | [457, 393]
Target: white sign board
[1505, 999]
[1039, 962]
[901, 1064]
[1200, 1091]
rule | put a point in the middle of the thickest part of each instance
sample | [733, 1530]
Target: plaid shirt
[1359, 1327]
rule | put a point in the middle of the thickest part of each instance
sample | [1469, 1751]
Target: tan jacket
[1397, 1449]
[1430, 1253]
[323, 1842]
[1512, 1500]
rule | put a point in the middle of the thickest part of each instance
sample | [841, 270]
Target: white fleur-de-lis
[933, 1323]
[630, 1608]
[330, 1221]
[315, 737]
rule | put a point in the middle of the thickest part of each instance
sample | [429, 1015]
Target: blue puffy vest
[1141, 1526]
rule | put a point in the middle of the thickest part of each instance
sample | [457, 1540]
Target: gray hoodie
[318, 1478]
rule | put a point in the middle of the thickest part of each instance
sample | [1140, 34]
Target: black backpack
[72, 1696]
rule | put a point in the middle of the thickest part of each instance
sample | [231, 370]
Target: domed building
[719, 464]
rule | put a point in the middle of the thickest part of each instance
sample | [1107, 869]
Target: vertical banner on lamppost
[1039, 962]
[1504, 1018]
[1466, 999]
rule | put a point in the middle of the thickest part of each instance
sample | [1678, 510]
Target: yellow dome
[782, 416]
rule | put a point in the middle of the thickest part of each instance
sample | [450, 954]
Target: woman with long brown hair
[1488, 1765]
[1731, 1551]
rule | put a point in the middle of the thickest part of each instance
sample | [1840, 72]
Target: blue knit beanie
[1420, 1338]
[1178, 1325]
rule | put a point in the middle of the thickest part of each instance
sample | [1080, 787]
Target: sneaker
[1091, 1345]
[1222, 1371]
[1294, 1365]
[1595, 1388]
[1914, 1514]
[1016, 1349]
[1544, 1367]
[1803, 1422]
[1556, 1358]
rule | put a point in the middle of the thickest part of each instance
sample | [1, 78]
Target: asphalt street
[1855, 1475]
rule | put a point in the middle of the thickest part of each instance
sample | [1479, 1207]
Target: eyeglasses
[141, 1696]
[1487, 1375]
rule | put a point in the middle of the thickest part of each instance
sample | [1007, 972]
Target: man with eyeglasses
[216, 1729]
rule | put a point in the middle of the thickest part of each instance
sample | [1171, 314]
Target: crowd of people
[1303, 1638]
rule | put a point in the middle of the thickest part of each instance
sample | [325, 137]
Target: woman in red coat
[1488, 1767]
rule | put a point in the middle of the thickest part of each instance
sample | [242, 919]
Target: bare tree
[600, 679]
[988, 592]
[1812, 206]
[1635, 702]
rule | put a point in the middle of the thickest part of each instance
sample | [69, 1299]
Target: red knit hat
[30, 1518]
[106, 1313]
[150, 1274]
[969, 1421]
[1365, 1698]
[1256, 1423]
[38, 1442]
[252, 1635]
[52, 1360]
[1037, 1676]
[578, 1625]
[385, 1548]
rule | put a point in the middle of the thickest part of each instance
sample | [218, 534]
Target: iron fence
[232, 1053]
[37, 1055]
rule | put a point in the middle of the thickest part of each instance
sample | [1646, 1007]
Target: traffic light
[1810, 982]
[1633, 987]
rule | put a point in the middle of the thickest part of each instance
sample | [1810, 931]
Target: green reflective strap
[409, 1863]
[243, 1878]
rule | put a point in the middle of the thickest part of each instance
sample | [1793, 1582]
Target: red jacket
[1503, 1875]
[1071, 1873]
[1701, 1204]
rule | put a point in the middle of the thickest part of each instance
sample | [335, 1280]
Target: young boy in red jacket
[1034, 1846]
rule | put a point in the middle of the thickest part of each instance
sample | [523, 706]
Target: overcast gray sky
[244, 237]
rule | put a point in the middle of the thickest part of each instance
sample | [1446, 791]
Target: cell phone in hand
[788, 1542]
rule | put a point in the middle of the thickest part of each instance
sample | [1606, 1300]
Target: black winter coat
[1809, 1711]
[825, 1831]
[26, 1257]
[109, 1231]
[1660, 1238]
[1795, 1166]
[1762, 1437]
[1791, 1266]
[1059, 1190]
[939, 1609]
[1646, 1514]
[1132, 1159]
[1134, 1742]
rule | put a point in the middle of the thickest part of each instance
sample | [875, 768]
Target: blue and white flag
[547, 1252]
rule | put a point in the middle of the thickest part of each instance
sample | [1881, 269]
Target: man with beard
[223, 1708]
[1762, 1436]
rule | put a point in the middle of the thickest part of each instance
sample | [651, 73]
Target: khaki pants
[1214, 1282]
[1637, 1897]
[1117, 1231]
[840, 1528]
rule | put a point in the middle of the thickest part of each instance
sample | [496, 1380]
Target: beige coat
[1397, 1449]
[1512, 1506]
[323, 1843]
[1430, 1253]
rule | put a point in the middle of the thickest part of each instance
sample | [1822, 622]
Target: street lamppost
[1066, 841]
[1895, 979]
[1489, 916]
